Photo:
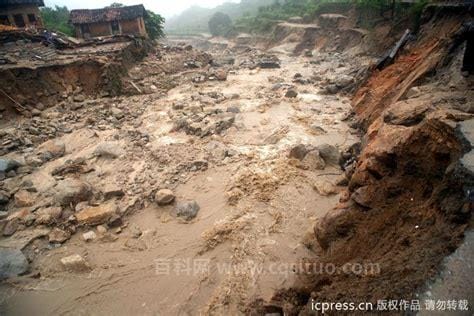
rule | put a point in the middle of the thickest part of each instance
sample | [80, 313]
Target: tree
[154, 25]
[220, 24]
[57, 19]
[116, 5]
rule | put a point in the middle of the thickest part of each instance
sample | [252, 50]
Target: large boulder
[12, 263]
[72, 191]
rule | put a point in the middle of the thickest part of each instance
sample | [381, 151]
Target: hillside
[194, 20]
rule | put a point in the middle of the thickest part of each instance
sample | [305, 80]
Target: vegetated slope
[194, 20]
[406, 206]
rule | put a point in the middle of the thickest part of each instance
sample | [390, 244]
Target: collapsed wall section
[75, 73]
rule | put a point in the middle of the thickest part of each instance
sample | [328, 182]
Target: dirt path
[256, 207]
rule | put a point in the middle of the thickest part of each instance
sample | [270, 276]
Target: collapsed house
[127, 20]
[21, 13]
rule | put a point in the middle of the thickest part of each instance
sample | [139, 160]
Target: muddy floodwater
[256, 206]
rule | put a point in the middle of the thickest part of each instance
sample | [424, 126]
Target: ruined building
[109, 21]
[21, 13]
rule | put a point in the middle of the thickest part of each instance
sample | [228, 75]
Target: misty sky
[167, 8]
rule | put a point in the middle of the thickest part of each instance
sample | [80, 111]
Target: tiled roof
[106, 14]
[5, 3]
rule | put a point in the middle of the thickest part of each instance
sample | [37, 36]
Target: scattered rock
[291, 93]
[109, 150]
[342, 180]
[135, 244]
[7, 164]
[329, 153]
[298, 152]
[112, 190]
[115, 221]
[325, 188]
[75, 263]
[79, 98]
[332, 89]
[24, 198]
[12, 263]
[96, 215]
[269, 62]
[48, 215]
[101, 229]
[58, 236]
[11, 227]
[4, 197]
[72, 191]
[413, 92]
[221, 74]
[187, 210]
[89, 236]
[164, 197]
[135, 231]
[313, 161]
[362, 196]
[52, 149]
[333, 226]
[233, 109]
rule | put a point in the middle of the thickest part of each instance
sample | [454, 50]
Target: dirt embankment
[87, 71]
[407, 204]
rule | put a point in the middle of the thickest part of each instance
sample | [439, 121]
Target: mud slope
[406, 206]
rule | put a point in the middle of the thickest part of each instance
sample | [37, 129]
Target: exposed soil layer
[407, 205]
[89, 71]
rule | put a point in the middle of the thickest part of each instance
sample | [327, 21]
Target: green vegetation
[370, 10]
[57, 19]
[220, 24]
[154, 25]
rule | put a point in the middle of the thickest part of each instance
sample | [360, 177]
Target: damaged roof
[6, 3]
[86, 16]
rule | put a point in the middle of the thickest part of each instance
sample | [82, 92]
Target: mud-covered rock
[268, 62]
[109, 150]
[97, 214]
[58, 236]
[112, 190]
[164, 197]
[89, 236]
[12, 263]
[75, 263]
[298, 152]
[332, 227]
[187, 210]
[52, 149]
[72, 191]
[48, 215]
[7, 164]
[329, 153]
[313, 161]
[324, 188]
[291, 93]
[24, 198]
